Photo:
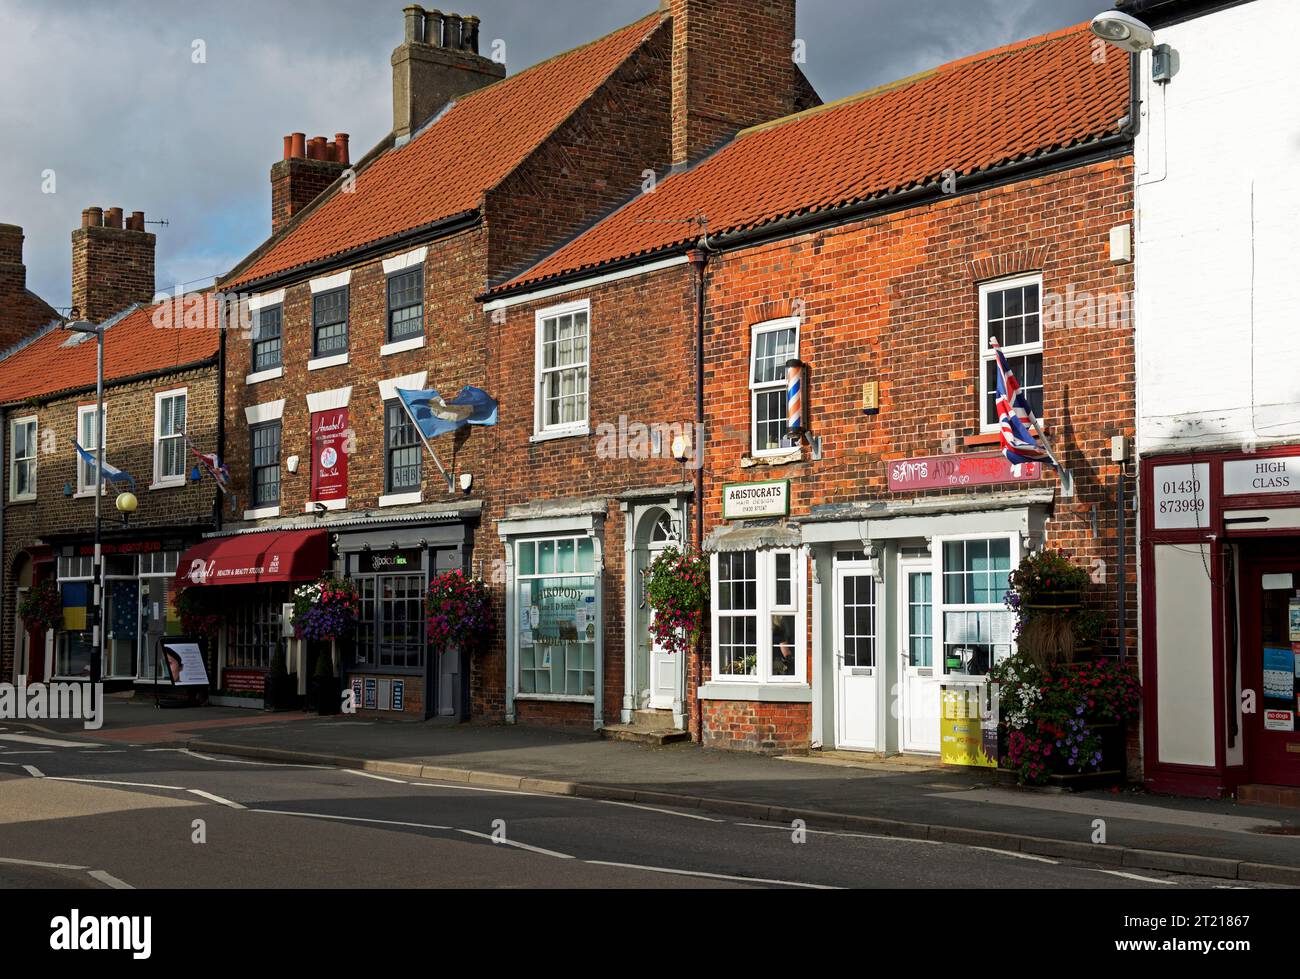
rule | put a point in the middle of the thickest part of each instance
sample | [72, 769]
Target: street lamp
[77, 325]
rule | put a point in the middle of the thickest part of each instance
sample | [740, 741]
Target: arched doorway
[31, 647]
[656, 676]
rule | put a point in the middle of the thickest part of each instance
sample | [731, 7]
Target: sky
[178, 108]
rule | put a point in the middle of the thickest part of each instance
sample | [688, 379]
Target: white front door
[664, 666]
[919, 713]
[858, 684]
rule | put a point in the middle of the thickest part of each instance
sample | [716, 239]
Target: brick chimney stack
[437, 61]
[733, 67]
[112, 263]
[308, 167]
[22, 313]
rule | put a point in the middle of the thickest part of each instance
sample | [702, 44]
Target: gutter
[441, 228]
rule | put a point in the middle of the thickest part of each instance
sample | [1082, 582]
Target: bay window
[758, 618]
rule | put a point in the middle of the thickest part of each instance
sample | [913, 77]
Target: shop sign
[399, 694]
[329, 459]
[356, 692]
[372, 694]
[1182, 496]
[1278, 474]
[122, 547]
[748, 501]
[972, 469]
[385, 562]
[968, 734]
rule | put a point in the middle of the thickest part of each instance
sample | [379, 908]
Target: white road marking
[378, 778]
[245, 761]
[46, 742]
[104, 877]
[853, 836]
[42, 751]
[216, 798]
[515, 843]
[42, 863]
[479, 788]
[33, 771]
[1145, 880]
[107, 781]
[666, 812]
[351, 819]
[1013, 853]
[701, 873]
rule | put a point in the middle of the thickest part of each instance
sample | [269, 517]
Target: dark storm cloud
[108, 96]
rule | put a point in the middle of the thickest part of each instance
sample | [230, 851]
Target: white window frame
[1019, 350]
[159, 480]
[14, 425]
[756, 388]
[541, 430]
[939, 606]
[85, 488]
[765, 595]
[554, 537]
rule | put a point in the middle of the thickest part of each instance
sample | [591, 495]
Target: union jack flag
[212, 465]
[1015, 418]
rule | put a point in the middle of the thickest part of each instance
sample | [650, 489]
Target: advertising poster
[1294, 617]
[962, 733]
[183, 664]
[372, 693]
[329, 461]
[1279, 676]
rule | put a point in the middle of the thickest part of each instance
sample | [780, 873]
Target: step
[642, 735]
[1269, 795]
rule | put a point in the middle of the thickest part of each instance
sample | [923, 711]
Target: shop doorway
[664, 679]
[858, 674]
[919, 694]
[1270, 648]
[29, 646]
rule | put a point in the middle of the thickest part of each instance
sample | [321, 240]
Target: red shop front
[1220, 577]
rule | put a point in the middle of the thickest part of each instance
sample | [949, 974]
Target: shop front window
[976, 623]
[758, 616]
[254, 632]
[556, 587]
[391, 629]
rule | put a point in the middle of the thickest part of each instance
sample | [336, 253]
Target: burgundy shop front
[1221, 620]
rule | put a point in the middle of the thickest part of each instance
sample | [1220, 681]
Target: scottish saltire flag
[111, 473]
[434, 416]
[1015, 418]
[212, 465]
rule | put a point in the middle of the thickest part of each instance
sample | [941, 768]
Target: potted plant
[456, 612]
[326, 610]
[678, 593]
[1046, 594]
[42, 607]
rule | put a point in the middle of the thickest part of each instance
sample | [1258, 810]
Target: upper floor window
[402, 451]
[169, 437]
[329, 321]
[266, 338]
[562, 368]
[773, 345]
[89, 434]
[1010, 311]
[264, 464]
[406, 304]
[22, 458]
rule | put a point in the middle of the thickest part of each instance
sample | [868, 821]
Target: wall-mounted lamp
[466, 481]
[1129, 34]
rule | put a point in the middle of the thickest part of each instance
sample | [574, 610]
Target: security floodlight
[1124, 31]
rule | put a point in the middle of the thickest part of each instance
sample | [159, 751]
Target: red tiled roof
[132, 345]
[967, 116]
[446, 170]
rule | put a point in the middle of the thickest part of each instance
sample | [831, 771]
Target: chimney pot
[299, 145]
[96, 217]
[433, 24]
[453, 31]
[85, 217]
[137, 220]
[341, 141]
[471, 34]
[413, 17]
[111, 272]
[288, 147]
[113, 217]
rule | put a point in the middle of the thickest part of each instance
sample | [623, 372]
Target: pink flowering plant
[457, 612]
[42, 608]
[325, 610]
[678, 592]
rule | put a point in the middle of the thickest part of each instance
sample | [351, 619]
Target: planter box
[1114, 760]
[251, 703]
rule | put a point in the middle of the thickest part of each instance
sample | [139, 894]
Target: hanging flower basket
[457, 612]
[41, 608]
[678, 592]
[325, 610]
[197, 609]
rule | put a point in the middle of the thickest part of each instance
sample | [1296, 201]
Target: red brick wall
[111, 269]
[738, 725]
[297, 182]
[22, 313]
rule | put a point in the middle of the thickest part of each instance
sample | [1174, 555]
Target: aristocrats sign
[943, 472]
[744, 501]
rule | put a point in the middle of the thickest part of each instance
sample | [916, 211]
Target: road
[97, 816]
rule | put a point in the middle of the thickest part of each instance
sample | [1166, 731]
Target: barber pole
[795, 376]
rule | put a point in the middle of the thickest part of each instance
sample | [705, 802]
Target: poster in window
[399, 694]
[1294, 613]
[1279, 676]
[372, 693]
[356, 691]
[329, 457]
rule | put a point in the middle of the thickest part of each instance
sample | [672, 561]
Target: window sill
[270, 374]
[561, 433]
[313, 506]
[320, 363]
[993, 436]
[555, 698]
[775, 459]
[401, 346]
[26, 498]
[261, 513]
[87, 494]
[773, 693]
[401, 499]
[168, 484]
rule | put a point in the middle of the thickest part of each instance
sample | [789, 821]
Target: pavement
[1132, 830]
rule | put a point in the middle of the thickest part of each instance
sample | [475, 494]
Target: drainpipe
[219, 497]
[699, 259]
[4, 570]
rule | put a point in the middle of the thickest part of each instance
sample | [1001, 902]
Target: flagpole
[97, 650]
[451, 483]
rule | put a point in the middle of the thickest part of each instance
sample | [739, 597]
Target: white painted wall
[1218, 234]
[1184, 655]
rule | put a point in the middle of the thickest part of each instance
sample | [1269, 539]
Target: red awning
[250, 559]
